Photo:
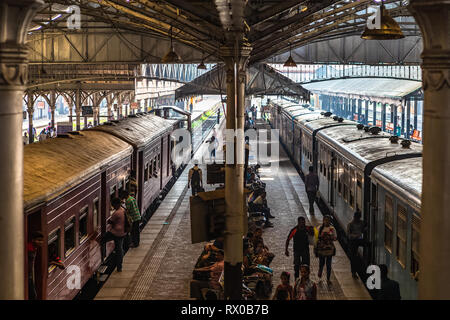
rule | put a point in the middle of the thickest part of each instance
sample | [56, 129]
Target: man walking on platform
[312, 186]
[195, 179]
[133, 216]
[300, 233]
[355, 231]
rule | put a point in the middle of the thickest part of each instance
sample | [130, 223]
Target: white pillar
[14, 22]
[433, 18]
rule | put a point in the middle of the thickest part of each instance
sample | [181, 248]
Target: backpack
[195, 179]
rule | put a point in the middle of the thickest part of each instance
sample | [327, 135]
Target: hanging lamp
[290, 62]
[171, 56]
[202, 66]
[389, 28]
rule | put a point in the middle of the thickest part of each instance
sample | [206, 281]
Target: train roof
[311, 125]
[53, 166]
[403, 178]
[362, 148]
[138, 130]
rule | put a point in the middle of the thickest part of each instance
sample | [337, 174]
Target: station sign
[40, 104]
[87, 111]
[134, 105]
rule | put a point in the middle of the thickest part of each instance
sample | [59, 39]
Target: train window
[53, 248]
[352, 188]
[159, 160]
[83, 224]
[69, 236]
[146, 172]
[401, 235]
[345, 178]
[112, 193]
[155, 170]
[150, 170]
[374, 195]
[358, 191]
[96, 215]
[415, 238]
[388, 223]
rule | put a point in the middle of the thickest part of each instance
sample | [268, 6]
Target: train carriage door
[160, 163]
[34, 257]
[371, 220]
[104, 209]
[333, 180]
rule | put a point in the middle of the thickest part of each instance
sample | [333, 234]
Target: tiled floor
[161, 267]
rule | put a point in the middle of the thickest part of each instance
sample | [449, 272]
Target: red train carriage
[68, 183]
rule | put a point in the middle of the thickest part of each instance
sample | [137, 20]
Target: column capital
[16, 17]
[433, 18]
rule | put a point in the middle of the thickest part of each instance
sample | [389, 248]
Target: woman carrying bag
[325, 248]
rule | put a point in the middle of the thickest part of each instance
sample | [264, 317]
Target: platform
[161, 267]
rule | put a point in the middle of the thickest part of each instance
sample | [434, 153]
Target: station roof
[261, 79]
[137, 131]
[387, 90]
[53, 166]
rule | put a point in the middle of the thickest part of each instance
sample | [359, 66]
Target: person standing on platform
[312, 186]
[284, 286]
[390, 289]
[195, 179]
[300, 233]
[133, 216]
[355, 231]
[25, 138]
[305, 288]
[116, 231]
[325, 248]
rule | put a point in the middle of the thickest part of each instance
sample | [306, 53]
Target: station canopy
[261, 80]
[383, 89]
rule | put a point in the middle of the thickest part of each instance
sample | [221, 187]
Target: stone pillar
[383, 116]
[52, 107]
[394, 116]
[359, 109]
[78, 108]
[403, 119]
[433, 18]
[14, 23]
[366, 112]
[30, 111]
[374, 111]
[408, 117]
[234, 169]
[415, 113]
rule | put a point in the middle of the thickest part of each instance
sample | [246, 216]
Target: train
[360, 167]
[69, 182]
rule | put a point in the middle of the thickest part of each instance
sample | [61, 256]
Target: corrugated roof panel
[370, 87]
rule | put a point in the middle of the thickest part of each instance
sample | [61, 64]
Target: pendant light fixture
[389, 28]
[290, 62]
[171, 56]
[202, 66]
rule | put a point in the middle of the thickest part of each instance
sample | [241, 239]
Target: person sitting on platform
[215, 271]
[260, 205]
